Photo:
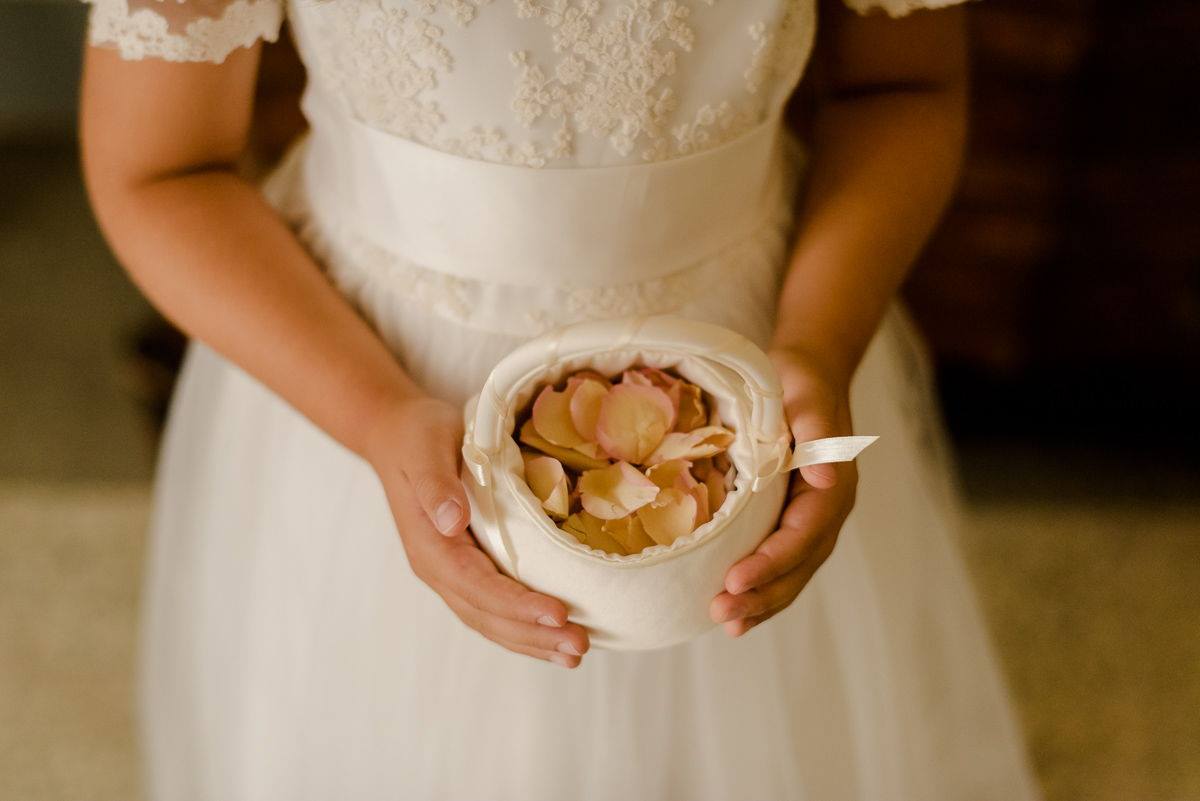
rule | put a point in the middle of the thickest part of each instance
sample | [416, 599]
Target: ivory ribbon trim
[830, 449]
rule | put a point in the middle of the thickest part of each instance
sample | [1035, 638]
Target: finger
[457, 564]
[563, 647]
[809, 517]
[571, 639]
[816, 421]
[431, 466]
[780, 592]
[468, 572]
[736, 628]
[774, 595]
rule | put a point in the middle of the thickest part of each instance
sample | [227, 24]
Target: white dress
[290, 654]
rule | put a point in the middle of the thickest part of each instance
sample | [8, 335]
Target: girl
[477, 172]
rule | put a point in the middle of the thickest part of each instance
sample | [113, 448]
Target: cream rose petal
[615, 491]
[701, 442]
[692, 413]
[585, 406]
[633, 420]
[589, 530]
[716, 490]
[630, 533]
[592, 375]
[546, 477]
[671, 516]
[571, 458]
[703, 513]
[674, 473]
[552, 417]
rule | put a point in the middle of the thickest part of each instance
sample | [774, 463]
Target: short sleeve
[897, 8]
[182, 30]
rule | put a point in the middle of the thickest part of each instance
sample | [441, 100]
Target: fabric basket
[659, 597]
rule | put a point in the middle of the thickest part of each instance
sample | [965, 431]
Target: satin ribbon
[573, 227]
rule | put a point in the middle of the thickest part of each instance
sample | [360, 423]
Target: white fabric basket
[661, 596]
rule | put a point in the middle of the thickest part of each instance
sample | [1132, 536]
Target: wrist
[382, 422]
[833, 369]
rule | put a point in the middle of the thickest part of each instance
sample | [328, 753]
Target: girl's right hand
[415, 451]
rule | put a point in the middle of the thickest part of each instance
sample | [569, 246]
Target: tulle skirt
[289, 652]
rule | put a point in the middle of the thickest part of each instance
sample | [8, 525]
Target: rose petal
[716, 490]
[674, 473]
[702, 467]
[633, 419]
[669, 517]
[592, 375]
[692, 413]
[585, 406]
[615, 491]
[704, 441]
[590, 531]
[592, 450]
[703, 512]
[650, 376]
[552, 417]
[654, 377]
[546, 477]
[629, 532]
[571, 458]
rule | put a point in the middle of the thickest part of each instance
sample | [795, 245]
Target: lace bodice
[527, 82]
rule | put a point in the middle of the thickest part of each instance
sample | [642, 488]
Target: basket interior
[721, 384]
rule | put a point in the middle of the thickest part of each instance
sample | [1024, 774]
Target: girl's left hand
[819, 499]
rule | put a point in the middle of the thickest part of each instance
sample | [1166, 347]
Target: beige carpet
[1096, 612]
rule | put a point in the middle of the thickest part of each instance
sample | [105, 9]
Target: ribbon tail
[830, 449]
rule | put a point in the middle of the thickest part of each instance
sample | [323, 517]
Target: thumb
[432, 469]
[816, 422]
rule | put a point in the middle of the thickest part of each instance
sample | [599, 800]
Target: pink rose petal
[615, 491]
[633, 419]
[585, 406]
[671, 516]
[701, 442]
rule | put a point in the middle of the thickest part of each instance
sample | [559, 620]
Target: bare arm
[159, 143]
[886, 150]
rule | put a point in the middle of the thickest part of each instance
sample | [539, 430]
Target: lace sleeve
[897, 8]
[182, 30]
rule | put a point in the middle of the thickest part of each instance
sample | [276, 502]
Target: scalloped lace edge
[145, 34]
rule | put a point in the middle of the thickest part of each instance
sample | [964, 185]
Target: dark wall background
[1062, 294]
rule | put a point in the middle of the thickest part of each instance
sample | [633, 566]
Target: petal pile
[628, 462]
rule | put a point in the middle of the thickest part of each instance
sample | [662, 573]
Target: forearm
[883, 166]
[211, 255]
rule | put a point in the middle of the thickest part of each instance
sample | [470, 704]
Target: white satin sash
[579, 227]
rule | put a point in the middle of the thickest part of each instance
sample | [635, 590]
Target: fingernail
[446, 516]
[560, 660]
[546, 620]
[567, 648]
